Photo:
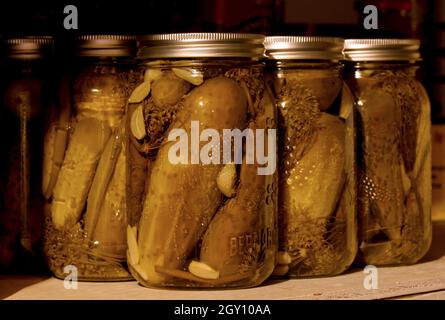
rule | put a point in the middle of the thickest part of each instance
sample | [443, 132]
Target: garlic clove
[140, 93]
[137, 123]
[226, 180]
[193, 76]
[140, 271]
[283, 258]
[152, 75]
[203, 270]
[133, 250]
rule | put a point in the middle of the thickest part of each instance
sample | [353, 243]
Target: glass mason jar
[316, 151]
[202, 154]
[394, 148]
[84, 162]
[24, 86]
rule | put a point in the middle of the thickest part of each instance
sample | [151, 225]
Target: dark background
[423, 19]
[326, 17]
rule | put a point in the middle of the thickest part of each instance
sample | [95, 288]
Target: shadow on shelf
[11, 284]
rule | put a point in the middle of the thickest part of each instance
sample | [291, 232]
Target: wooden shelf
[425, 280]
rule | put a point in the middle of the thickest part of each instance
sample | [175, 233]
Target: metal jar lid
[105, 45]
[201, 45]
[304, 48]
[28, 48]
[382, 49]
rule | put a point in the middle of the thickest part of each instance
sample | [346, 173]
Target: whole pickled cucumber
[415, 171]
[238, 217]
[56, 140]
[381, 184]
[168, 90]
[76, 175]
[182, 198]
[309, 193]
[406, 95]
[319, 174]
[422, 168]
[241, 215]
[109, 229]
[136, 175]
[105, 218]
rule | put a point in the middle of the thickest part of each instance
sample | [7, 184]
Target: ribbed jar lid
[28, 48]
[201, 45]
[106, 45]
[304, 48]
[382, 49]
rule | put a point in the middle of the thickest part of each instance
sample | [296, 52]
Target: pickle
[105, 218]
[102, 177]
[56, 141]
[168, 90]
[77, 172]
[108, 227]
[308, 197]
[422, 168]
[319, 173]
[410, 109]
[405, 226]
[382, 185]
[182, 198]
[238, 217]
[136, 175]
[314, 154]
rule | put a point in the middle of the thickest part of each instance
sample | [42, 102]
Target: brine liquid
[316, 174]
[395, 168]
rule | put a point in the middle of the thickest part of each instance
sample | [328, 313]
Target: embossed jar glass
[316, 151]
[25, 82]
[394, 150]
[84, 162]
[201, 192]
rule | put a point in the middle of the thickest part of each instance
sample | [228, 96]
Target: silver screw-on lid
[304, 48]
[106, 45]
[201, 45]
[382, 49]
[28, 48]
